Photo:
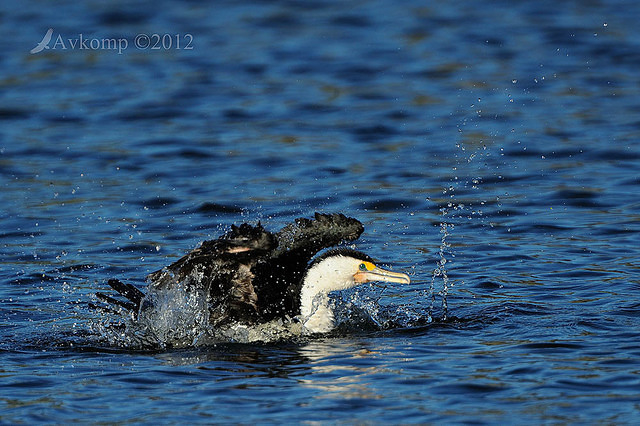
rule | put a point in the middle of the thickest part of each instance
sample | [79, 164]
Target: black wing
[307, 237]
[243, 244]
[221, 267]
[279, 277]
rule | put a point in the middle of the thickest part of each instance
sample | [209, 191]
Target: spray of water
[440, 271]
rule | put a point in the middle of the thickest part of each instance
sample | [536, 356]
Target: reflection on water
[338, 372]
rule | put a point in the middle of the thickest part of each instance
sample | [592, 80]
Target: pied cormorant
[252, 276]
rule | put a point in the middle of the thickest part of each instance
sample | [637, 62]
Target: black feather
[116, 302]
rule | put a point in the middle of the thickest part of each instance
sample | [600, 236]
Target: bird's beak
[378, 274]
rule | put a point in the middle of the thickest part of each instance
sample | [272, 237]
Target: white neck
[333, 273]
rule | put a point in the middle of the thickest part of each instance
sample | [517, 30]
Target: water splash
[440, 271]
[175, 316]
[459, 212]
[168, 317]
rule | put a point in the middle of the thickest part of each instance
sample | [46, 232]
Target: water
[515, 126]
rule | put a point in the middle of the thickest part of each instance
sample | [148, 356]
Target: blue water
[495, 143]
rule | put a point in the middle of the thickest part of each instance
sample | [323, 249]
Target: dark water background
[514, 123]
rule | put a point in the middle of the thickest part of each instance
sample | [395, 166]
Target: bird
[44, 44]
[252, 276]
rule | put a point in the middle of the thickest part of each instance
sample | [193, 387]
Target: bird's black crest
[343, 251]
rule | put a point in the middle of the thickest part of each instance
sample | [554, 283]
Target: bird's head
[345, 268]
[339, 270]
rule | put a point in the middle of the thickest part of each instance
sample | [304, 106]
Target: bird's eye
[363, 267]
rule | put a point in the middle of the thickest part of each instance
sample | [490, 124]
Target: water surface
[515, 125]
